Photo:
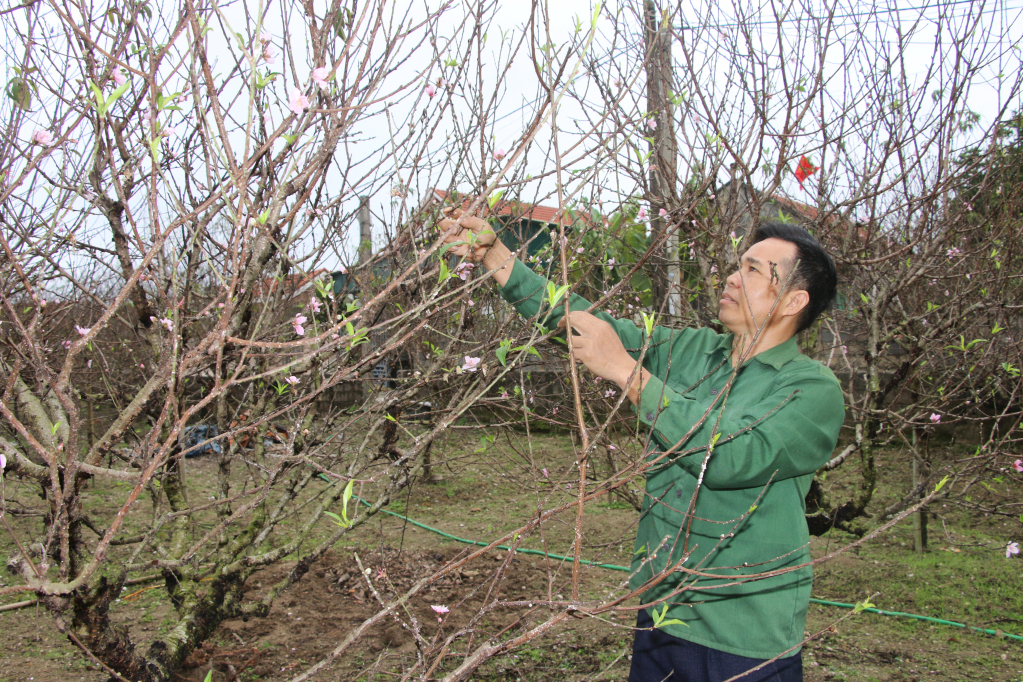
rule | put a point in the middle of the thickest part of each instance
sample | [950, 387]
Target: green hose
[613, 567]
[610, 567]
[939, 621]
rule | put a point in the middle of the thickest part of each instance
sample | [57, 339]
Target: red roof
[517, 209]
[809, 211]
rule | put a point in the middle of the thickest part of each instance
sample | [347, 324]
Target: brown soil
[307, 622]
[311, 619]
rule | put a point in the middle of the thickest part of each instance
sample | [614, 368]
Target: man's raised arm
[607, 346]
[475, 240]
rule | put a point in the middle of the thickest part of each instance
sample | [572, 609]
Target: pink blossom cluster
[269, 53]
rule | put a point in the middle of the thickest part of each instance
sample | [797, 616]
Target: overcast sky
[882, 25]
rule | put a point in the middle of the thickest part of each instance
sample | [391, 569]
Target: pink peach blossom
[269, 54]
[298, 102]
[320, 77]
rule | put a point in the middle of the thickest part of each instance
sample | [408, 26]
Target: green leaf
[648, 322]
[346, 496]
[863, 605]
[264, 80]
[337, 519]
[528, 349]
[163, 101]
[555, 293]
[20, 92]
[659, 620]
[941, 484]
[116, 94]
[99, 102]
[502, 352]
[341, 19]
[494, 198]
[671, 621]
[864, 297]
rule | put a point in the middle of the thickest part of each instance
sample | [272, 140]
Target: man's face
[752, 291]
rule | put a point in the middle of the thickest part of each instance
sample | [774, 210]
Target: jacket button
[713, 391]
[678, 493]
[649, 416]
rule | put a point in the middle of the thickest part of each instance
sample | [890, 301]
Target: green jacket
[780, 423]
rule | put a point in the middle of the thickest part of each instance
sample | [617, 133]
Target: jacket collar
[774, 357]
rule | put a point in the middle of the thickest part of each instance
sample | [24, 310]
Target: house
[735, 201]
[521, 223]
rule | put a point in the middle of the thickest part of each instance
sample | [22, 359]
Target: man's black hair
[815, 272]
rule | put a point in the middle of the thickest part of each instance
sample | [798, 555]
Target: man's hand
[475, 240]
[596, 345]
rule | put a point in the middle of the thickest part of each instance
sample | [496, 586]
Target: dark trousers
[658, 656]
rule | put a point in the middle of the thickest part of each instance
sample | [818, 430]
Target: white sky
[881, 25]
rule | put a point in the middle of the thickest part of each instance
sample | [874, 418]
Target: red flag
[804, 170]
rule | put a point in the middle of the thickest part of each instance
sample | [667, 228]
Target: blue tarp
[193, 435]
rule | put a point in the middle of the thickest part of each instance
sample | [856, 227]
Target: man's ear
[795, 302]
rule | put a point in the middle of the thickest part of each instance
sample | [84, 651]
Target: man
[772, 424]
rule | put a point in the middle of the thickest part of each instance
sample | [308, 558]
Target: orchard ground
[964, 576]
